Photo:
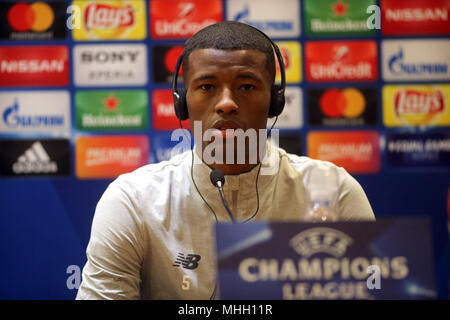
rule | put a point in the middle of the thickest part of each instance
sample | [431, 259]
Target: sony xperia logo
[104, 56]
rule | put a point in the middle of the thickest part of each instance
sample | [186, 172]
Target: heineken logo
[111, 110]
[332, 17]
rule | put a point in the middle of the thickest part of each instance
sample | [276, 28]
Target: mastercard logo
[171, 58]
[37, 16]
[349, 103]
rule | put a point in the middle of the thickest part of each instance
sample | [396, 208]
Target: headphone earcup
[181, 110]
[277, 101]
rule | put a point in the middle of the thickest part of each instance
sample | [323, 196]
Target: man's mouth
[226, 128]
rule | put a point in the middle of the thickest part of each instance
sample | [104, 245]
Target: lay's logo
[416, 105]
[111, 20]
[418, 102]
[106, 16]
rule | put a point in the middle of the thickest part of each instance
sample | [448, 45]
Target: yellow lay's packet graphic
[416, 105]
[110, 20]
[292, 56]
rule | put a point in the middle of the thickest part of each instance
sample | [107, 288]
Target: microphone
[218, 180]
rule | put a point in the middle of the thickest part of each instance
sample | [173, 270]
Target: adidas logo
[35, 160]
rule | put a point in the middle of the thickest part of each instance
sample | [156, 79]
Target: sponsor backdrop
[85, 96]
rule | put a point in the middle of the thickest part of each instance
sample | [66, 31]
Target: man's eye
[206, 87]
[247, 87]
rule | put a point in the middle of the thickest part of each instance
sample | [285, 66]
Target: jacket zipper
[234, 196]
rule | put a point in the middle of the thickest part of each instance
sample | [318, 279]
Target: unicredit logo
[338, 69]
[105, 16]
[339, 61]
[397, 65]
[182, 27]
[182, 19]
[37, 17]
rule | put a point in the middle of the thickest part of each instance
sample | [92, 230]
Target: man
[152, 230]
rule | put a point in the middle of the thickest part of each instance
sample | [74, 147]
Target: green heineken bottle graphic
[111, 110]
[337, 17]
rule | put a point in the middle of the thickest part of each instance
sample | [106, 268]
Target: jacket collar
[244, 183]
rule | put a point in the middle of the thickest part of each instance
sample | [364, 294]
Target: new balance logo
[35, 160]
[189, 262]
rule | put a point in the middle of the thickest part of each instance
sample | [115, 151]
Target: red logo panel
[29, 66]
[164, 117]
[418, 17]
[341, 61]
[356, 151]
[181, 19]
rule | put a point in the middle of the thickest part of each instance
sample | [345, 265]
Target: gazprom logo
[13, 119]
[321, 240]
[398, 66]
[265, 26]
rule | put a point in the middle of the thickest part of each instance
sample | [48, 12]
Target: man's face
[228, 89]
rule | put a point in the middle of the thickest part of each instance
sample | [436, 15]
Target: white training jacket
[152, 233]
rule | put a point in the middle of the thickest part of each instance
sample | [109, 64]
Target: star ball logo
[316, 240]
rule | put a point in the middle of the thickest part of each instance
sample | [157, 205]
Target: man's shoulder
[301, 163]
[156, 173]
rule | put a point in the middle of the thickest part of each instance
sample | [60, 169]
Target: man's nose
[226, 104]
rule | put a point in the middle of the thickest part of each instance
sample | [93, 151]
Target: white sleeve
[353, 204]
[116, 249]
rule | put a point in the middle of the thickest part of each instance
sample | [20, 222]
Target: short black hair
[231, 35]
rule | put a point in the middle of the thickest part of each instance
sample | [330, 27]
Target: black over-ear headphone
[277, 98]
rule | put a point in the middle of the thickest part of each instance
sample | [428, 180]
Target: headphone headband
[277, 94]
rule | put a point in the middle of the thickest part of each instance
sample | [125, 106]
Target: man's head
[230, 35]
[228, 72]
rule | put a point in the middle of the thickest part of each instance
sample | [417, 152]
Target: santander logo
[105, 16]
